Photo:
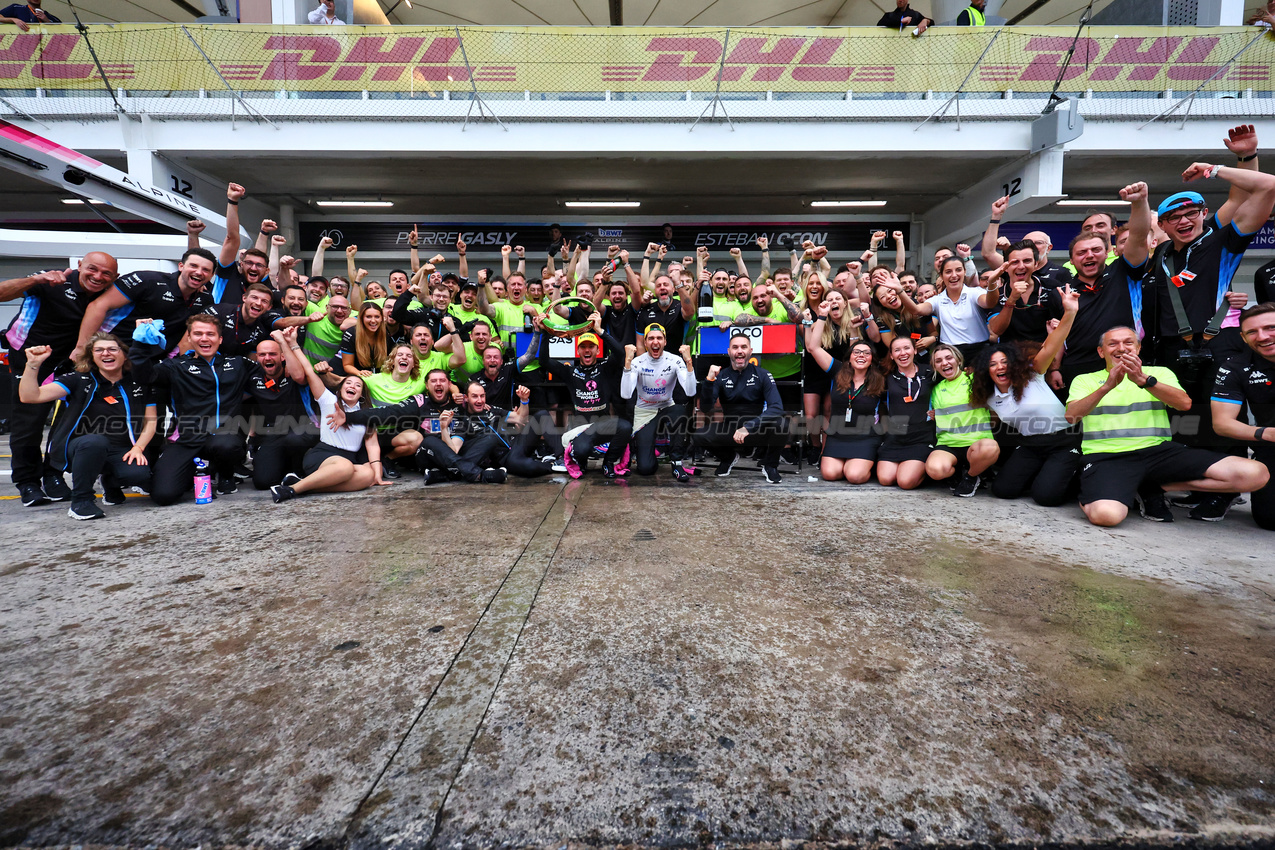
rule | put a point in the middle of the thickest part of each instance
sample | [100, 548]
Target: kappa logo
[193, 369]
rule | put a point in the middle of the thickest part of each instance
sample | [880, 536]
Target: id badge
[110, 399]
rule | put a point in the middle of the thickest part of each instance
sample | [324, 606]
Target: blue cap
[1181, 199]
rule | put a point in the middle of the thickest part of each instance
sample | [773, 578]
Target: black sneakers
[389, 471]
[680, 473]
[85, 510]
[1213, 507]
[32, 495]
[55, 489]
[112, 494]
[226, 486]
[967, 486]
[726, 465]
[494, 476]
[1153, 506]
[282, 493]
[291, 479]
[772, 474]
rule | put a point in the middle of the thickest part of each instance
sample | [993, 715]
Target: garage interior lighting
[847, 203]
[354, 203]
[601, 204]
[1083, 203]
[78, 201]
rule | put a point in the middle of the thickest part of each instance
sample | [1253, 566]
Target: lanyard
[1184, 329]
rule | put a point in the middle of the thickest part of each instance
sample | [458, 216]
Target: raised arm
[351, 270]
[276, 243]
[814, 339]
[194, 227]
[462, 261]
[265, 233]
[295, 361]
[230, 245]
[763, 274]
[794, 312]
[991, 256]
[316, 265]
[900, 253]
[740, 265]
[1253, 212]
[1140, 223]
[29, 389]
[95, 314]
[1054, 342]
[413, 243]
[1241, 141]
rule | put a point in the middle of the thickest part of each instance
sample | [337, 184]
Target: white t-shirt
[349, 438]
[320, 16]
[1039, 411]
[961, 322]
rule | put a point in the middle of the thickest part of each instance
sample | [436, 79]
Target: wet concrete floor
[632, 662]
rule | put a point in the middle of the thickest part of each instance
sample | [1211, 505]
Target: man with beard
[246, 324]
[650, 380]
[591, 384]
[665, 310]
[768, 306]
[1025, 305]
[752, 411]
[433, 414]
[496, 439]
[53, 307]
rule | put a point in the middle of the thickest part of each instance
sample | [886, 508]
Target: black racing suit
[593, 390]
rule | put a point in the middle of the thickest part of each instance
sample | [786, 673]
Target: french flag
[765, 339]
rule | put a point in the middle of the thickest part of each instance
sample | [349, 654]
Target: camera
[1192, 365]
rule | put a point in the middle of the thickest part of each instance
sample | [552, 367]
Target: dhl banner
[160, 59]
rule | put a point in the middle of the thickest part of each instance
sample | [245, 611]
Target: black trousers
[518, 456]
[174, 472]
[612, 430]
[674, 420]
[719, 439]
[26, 433]
[1046, 465]
[92, 455]
[279, 454]
[436, 454]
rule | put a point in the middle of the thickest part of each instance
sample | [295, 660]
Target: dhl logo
[349, 61]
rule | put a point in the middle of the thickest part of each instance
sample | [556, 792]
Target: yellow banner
[414, 61]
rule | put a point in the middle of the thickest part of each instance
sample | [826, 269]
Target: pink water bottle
[203, 482]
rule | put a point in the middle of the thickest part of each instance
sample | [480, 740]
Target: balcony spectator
[903, 16]
[326, 14]
[22, 14]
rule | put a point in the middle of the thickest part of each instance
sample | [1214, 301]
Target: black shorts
[961, 453]
[1116, 476]
[900, 448]
[315, 457]
[852, 448]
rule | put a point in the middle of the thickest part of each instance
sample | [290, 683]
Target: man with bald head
[53, 305]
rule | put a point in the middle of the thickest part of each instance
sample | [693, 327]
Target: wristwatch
[1150, 382]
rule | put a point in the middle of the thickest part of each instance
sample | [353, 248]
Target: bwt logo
[604, 233]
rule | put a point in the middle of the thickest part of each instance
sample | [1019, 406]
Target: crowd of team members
[1031, 374]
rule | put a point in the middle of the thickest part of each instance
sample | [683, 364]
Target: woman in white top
[960, 307]
[1047, 458]
[345, 460]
